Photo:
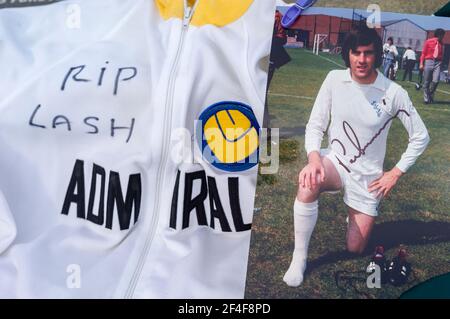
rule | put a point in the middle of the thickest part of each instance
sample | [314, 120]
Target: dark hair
[362, 36]
[439, 33]
[391, 39]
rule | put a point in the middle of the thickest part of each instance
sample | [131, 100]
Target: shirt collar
[380, 81]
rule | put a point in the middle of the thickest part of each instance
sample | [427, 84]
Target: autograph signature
[354, 140]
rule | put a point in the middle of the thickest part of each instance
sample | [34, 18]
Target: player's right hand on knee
[312, 174]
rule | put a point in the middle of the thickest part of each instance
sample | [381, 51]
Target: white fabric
[355, 186]
[361, 116]
[8, 230]
[305, 218]
[436, 50]
[409, 55]
[41, 249]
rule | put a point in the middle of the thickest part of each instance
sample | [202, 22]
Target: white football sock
[305, 217]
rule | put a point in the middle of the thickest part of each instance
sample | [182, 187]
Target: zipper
[168, 109]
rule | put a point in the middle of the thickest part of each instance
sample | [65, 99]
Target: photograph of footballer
[357, 105]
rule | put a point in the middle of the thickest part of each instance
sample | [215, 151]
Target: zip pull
[187, 16]
[188, 13]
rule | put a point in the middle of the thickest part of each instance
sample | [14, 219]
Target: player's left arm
[418, 141]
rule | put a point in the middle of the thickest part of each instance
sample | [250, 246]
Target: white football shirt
[359, 117]
[92, 203]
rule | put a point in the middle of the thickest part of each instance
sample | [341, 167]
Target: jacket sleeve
[424, 52]
[319, 118]
[417, 132]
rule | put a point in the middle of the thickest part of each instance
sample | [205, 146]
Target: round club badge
[229, 138]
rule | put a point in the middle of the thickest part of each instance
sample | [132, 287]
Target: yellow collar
[215, 12]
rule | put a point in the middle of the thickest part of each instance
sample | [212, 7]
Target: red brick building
[406, 29]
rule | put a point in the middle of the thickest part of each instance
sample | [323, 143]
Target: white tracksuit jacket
[93, 203]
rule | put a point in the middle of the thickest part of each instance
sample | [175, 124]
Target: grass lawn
[415, 215]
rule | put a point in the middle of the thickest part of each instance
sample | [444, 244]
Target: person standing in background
[390, 54]
[430, 63]
[410, 61]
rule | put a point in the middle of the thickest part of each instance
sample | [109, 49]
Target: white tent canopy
[405, 34]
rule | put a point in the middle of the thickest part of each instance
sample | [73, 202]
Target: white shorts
[356, 194]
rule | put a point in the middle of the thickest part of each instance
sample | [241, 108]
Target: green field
[416, 214]
[425, 7]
